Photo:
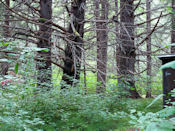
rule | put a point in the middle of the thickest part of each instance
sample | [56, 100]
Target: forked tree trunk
[127, 53]
[173, 28]
[44, 69]
[5, 65]
[102, 39]
[73, 51]
[148, 41]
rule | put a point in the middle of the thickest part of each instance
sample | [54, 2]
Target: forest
[87, 65]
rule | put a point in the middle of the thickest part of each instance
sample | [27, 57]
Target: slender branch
[139, 44]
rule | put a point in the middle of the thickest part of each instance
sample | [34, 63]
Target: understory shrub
[163, 120]
[59, 110]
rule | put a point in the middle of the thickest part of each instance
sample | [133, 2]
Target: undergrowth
[24, 109]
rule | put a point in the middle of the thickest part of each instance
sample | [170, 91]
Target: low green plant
[163, 120]
[55, 110]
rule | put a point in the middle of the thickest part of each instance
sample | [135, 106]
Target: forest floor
[140, 106]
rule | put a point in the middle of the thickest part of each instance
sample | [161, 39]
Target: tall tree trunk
[5, 65]
[44, 68]
[117, 35]
[102, 39]
[127, 49]
[7, 23]
[148, 41]
[73, 51]
[173, 28]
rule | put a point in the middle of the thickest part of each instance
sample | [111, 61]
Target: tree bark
[127, 53]
[117, 36]
[73, 51]
[44, 69]
[102, 39]
[173, 28]
[5, 65]
[7, 23]
[148, 41]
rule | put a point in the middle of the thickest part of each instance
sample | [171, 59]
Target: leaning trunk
[127, 55]
[73, 51]
[44, 70]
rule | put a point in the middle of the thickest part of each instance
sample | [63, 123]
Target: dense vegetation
[83, 65]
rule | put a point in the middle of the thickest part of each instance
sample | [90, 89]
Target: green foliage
[23, 109]
[152, 121]
[16, 68]
[156, 99]
[67, 110]
[162, 120]
[42, 20]
[156, 85]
